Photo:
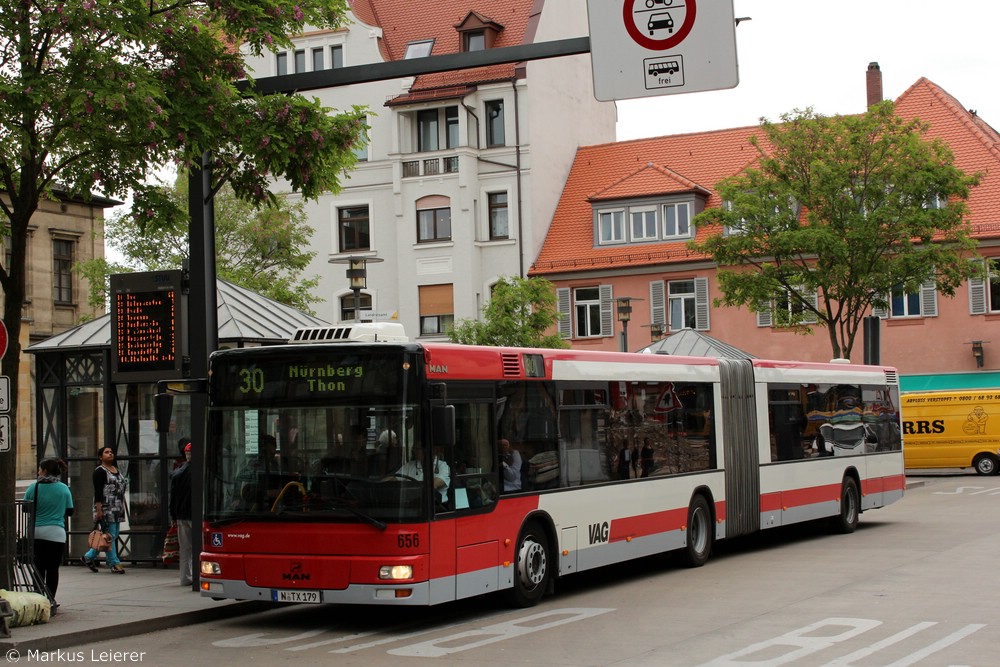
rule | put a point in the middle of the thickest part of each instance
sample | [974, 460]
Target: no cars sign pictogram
[658, 25]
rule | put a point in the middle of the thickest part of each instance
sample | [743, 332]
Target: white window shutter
[657, 302]
[565, 312]
[928, 299]
[808, 316]
[977, 296]
[701, 310]
[764, 317]
[607, 311]
[882, 313]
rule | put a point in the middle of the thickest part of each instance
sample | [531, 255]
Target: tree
[95, 95]
[518, 313]
[835, 217]
[260, 248]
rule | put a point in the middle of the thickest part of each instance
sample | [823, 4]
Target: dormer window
[475, 40]
[418, 49]
[477, 32]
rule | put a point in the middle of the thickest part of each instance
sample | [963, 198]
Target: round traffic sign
[658, 25]
[3, 339]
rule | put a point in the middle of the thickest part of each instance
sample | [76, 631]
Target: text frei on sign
[642, 48]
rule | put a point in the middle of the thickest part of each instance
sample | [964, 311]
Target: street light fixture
[624, 304]
[657, 330]
[357, 276]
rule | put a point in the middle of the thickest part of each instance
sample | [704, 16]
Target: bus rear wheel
[531, 566]
[698, 545]
[850, 506]
[985, 464]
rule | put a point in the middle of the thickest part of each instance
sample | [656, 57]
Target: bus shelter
[79, 410]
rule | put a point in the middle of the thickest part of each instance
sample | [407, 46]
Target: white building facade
[463, 169]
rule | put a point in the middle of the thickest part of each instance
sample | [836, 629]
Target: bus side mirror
[163, 410]
[443, 425]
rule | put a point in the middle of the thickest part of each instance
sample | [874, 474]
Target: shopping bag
[98, 539]
[170, 548]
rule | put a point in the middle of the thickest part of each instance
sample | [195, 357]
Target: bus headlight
[395, 572]
[210, 567]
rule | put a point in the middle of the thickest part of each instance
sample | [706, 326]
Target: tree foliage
[95, 95]
[263, 249]
[838, 207]
[518, 313]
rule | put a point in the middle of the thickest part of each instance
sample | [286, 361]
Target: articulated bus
[353, 466]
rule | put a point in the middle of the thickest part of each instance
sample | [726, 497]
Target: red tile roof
[655, 166]
[403, 22]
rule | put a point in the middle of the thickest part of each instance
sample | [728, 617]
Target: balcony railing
[431, 166]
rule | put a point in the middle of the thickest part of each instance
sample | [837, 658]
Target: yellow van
[952, 429]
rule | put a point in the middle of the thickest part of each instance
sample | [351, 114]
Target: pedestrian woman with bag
[53, 505]
[109, 508]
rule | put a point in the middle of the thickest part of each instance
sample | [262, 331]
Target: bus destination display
[145, 320]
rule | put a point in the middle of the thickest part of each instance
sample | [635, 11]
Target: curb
[128, 629]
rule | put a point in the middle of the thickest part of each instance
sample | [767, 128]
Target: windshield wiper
[361, 515]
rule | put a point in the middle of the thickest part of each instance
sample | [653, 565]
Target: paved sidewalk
[101, 606]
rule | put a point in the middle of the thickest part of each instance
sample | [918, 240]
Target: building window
[494, 124]
[427, 130]
[361, 149]
[437, 309]
[681, 301]
[475, 41]
[300, 60]
[904, 304]
[336, 57]
[62, 273]
[611, 226]
[993, 280]
[418, 49]
[317, 55]
[587, 301]
[433, 224]
[935, 201]
[281, 63]
[347, 309]
[498, 215]
[354, 229]
[644, 223]
[788, 310]
[676, 221]
[451, 127]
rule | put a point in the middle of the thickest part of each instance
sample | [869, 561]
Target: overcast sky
[802, 53]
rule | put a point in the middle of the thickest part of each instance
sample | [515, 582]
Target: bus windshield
[301, 440]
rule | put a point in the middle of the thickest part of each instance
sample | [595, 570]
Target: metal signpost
[642, 48]
[5, 434]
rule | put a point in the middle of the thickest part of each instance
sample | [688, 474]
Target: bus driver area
[386, 484]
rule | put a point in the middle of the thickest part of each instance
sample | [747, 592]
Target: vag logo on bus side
[599, 532]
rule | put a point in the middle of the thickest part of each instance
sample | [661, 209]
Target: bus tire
[850, 506]
[532, 566]
[985, 464]
[698, 542]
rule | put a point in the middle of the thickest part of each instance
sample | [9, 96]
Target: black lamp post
[357, 275]
[624, 304]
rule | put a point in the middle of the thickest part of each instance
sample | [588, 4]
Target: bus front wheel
[850, 504]
[698, 545]
[532, 566]
[985, 464]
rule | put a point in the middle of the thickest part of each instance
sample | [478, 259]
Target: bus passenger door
[475, 490]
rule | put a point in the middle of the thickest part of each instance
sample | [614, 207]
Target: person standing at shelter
[53, 505]
[180, 513]
[109, 508]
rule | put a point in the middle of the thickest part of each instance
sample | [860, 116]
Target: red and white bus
[315, 484]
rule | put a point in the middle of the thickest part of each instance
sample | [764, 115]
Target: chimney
[873, 82]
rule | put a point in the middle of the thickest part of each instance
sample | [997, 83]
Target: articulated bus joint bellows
[364, 332]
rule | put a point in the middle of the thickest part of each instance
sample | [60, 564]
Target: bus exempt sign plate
[641, 48]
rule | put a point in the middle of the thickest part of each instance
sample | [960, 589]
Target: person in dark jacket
[180, 513]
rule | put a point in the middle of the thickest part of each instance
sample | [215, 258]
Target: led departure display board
[147, 326]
